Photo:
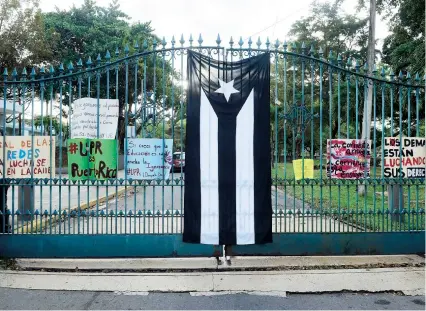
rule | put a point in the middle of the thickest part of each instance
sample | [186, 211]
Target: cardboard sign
[92, 159]
[27, 157]
[84, 119]
[348, 158]
[308, 169]
[149, 158]
[404, 158]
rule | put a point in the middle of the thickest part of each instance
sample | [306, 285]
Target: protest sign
[149, 158]
[348, 158]
[307, 172]
[404, 158]
[92, 159]
[27, 156]
[84, 118]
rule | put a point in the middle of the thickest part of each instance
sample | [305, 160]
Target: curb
[409, 281]
[31, 227]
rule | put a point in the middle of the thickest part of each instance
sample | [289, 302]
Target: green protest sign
[92, 159]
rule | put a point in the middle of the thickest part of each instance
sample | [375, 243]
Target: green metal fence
[312, 99]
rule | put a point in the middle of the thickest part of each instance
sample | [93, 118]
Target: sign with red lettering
[404, 158]
[348, 158]
[27, 156]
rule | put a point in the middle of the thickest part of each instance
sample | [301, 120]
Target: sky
[235, 18]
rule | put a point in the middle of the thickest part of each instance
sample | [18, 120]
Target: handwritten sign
[404, 158]
[149, 158]
[84, 119]
[303, 169]
[27, 157]
[348, 158]
[92, 159]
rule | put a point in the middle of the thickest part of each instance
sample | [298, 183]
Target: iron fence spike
[241, 42]
[417, 78]
[218, 41]
[258, 43]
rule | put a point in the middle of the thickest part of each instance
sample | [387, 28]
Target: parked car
[178, 162]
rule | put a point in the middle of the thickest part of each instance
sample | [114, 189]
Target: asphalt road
[12, 299]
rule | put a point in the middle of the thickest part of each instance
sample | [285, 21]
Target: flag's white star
[226, 89]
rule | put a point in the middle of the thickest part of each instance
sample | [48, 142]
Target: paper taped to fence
[303, 169]
[149, 158]
[27, 157]
[348, 158]
[404, 158]
[85, 122]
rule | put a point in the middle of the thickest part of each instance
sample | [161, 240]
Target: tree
[404, 48]
[329, 28]
[335, 37]
[88, 32]
[22, 35]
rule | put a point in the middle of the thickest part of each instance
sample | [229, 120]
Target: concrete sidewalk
[410, 281]
[311, 274]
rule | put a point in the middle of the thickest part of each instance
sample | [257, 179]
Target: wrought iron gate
[312, 99]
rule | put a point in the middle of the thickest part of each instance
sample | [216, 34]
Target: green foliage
[404, 48]
[22, 35]
[49, 122]
[90, 30]
[328, 27]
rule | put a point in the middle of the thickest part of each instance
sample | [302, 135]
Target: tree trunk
[366, 124]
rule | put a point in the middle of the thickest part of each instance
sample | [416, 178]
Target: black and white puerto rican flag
[227, 165]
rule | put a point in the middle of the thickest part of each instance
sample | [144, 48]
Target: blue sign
[149, 158]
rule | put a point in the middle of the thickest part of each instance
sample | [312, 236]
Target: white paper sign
[27, 157]
[406, 158]
[149, 158]
[84, 119]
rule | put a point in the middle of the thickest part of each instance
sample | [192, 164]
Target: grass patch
[370, 211]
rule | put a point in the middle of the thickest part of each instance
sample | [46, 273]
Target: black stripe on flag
[228, 173]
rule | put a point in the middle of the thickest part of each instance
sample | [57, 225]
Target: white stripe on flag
[209, 173]
[245, 173]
